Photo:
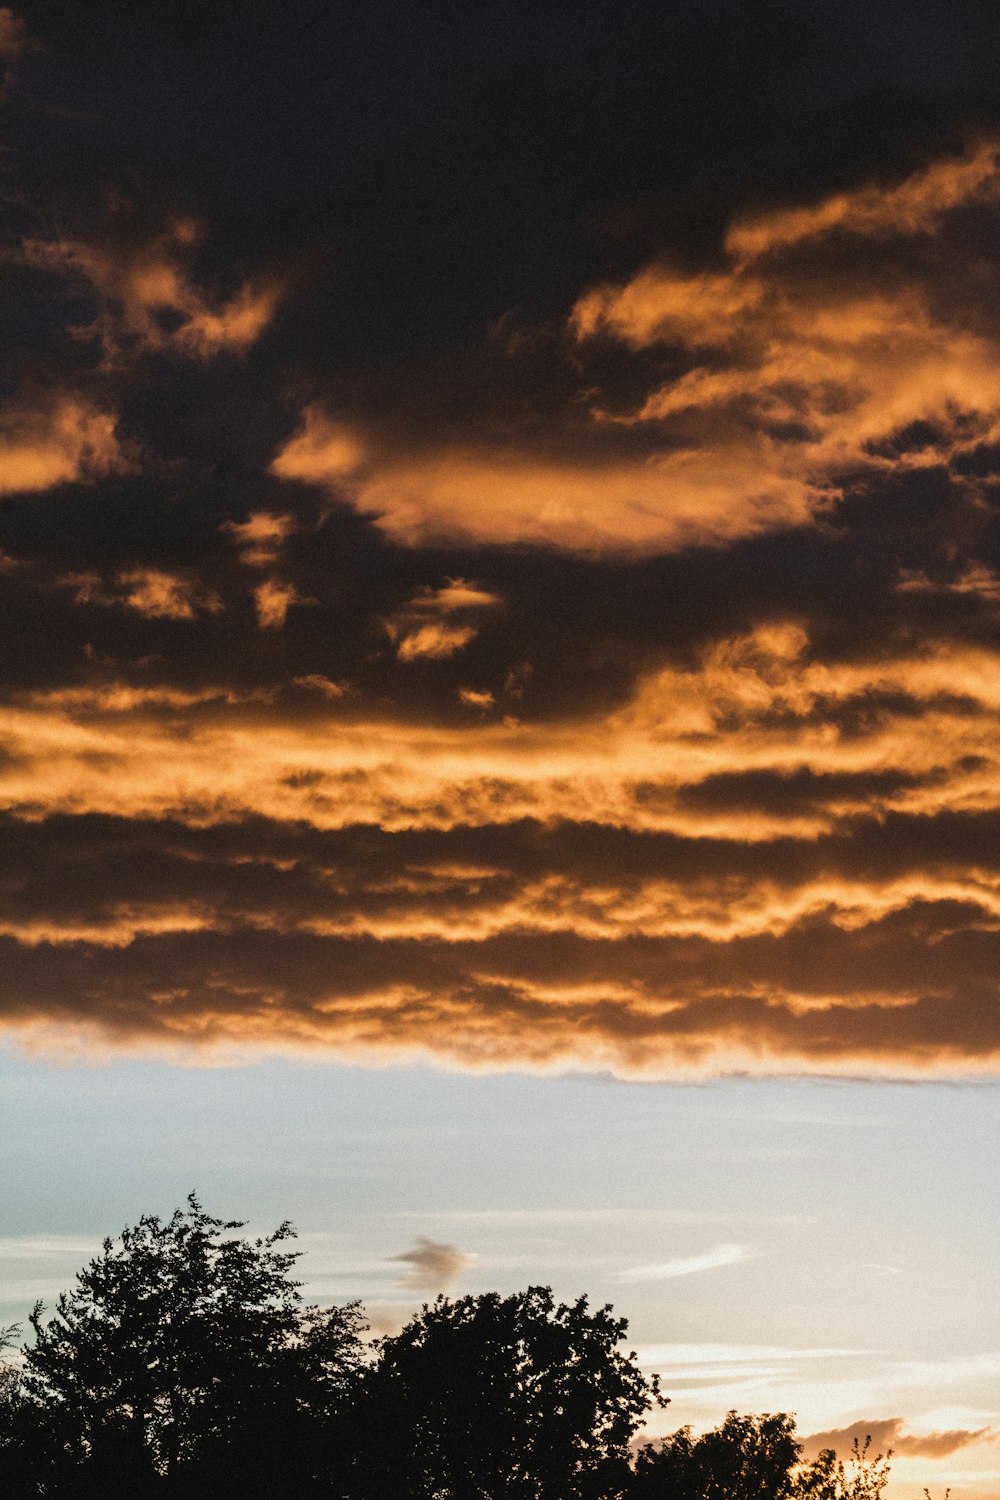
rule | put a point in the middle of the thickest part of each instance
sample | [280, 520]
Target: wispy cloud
[688, 1265]
[431, 1265]
[893, 1433]
[148, 299]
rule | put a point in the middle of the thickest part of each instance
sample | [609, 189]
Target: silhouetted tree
[183, 1366]
[495, 1396]
[183, 1363]
[747, 1458]
[863, 1477]
[754, 1458]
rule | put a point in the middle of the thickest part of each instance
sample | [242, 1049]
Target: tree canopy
[183, 1365]
[184, 1348]
[505, 1395]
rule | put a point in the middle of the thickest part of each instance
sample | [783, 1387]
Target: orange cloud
[273, 599]
[913, 206]
[321, 684]
[764, 862]
[434, 640]
[422, 627]
[260, 538]
[804, 746]
[890, 1433]
[321, 452]
[148, 298]
[787, 372]
[71, 440]
[149, 591]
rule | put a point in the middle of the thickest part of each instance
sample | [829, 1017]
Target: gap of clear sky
[499, 709]
[824, 1247]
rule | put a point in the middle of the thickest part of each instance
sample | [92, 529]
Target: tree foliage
[513, 1396]
[179, 1346]
[747, 1458]
[754, 1458]
[183, 1365]
[863, 1477]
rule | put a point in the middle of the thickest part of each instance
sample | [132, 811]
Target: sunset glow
[500, 578]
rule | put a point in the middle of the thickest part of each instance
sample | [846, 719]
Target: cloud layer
[602, 680]
[828, 345]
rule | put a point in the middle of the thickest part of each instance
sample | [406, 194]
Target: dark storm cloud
[499, 539]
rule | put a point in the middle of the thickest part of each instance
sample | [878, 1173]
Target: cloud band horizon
[653, 731]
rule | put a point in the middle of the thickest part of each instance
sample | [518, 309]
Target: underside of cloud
[891, 1433]
[831, 342]
[619, 693]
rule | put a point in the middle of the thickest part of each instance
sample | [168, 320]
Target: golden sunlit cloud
[273, 599]
[149, 591]
[734, 871]
[914, 206]
[425, 625]
[69, 440]
[721, 834]
[321, 684]
[786, 374]
[147, 298]
[891, 1432]
[434, 640]
[321, 452]
[260, 539]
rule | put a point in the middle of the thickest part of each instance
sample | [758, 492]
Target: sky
[500, 593]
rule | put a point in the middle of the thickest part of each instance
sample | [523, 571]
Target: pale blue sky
[846, 1231]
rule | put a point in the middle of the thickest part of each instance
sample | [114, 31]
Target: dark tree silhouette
[183, 1365]
[182, 1357]
[863, 1477]
[754, 1458]
[502, 1396]
[747, 1458]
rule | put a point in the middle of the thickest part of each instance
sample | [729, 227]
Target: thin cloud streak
[688, 1265]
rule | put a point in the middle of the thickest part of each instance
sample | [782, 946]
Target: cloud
[797, 373]
[767, 861]
[721, 529]
[260, 538]
[13, 34]
[320, 684]
[434, 640]
[146, 297]
[14, 42]
[914, 206]
[150, 592]
[688, 1265]
[423, 626]
[889, 1433]
[432, 1266]
[273, 599]
[66, 441]
[828, 345]
[321, 452]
